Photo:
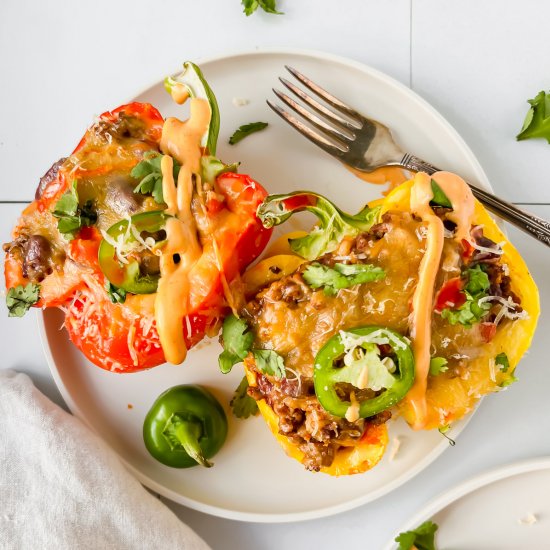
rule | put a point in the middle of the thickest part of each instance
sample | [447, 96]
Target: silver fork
[366, 144]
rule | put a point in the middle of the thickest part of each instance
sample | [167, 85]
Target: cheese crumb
[529, 519]
[240, 101]
[396, 444]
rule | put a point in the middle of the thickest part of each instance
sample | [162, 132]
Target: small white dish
[507, 508]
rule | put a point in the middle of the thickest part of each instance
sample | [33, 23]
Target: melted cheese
[420, 320]
[182, 251]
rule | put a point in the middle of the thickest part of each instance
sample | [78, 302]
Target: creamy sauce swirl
[180, 140]
[461, 198]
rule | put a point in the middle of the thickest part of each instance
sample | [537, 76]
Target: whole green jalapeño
[125, 260]
[328, 373]
[185, 426]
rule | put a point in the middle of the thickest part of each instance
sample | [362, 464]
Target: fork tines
[335, 131]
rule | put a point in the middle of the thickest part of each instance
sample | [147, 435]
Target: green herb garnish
[245, 130]
[421, 538]
[438, 365]
[537, 120]
[269, 6]
[149, 173]
[471, 311]
[72, 217]
[237, 341]
[341, 276]
[19, 299]
[242, 404]
[269, 362]
[501, 360]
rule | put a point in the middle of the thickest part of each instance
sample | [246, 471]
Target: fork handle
[529, 223]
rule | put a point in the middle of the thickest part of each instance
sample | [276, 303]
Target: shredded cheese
[379, 337]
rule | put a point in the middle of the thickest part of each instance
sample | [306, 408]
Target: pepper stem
[188, 432]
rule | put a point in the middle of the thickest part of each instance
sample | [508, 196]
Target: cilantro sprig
[269, 6]
[421, 538]
[438, 365]
[245, 130]
[19, 299]
[537, 120]
[237, 342]
[503, 363]
[471, 311]
[341, 276]
[71, 217]
[149, 173]
[242, 404]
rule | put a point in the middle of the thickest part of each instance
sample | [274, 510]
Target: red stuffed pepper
[139, 235]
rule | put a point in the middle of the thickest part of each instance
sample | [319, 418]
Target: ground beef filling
[305, 423]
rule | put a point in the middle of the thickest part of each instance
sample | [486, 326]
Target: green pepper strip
[326, 373]
[185, 426]
[197, 86]
[128, 276]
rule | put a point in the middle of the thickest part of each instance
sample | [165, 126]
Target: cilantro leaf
[333, 226]
[269, 362]
[509, 381]
[245, 130]
[471, 311]
[237, 341]
[71, 217]
[116, 295]
[478, 281]
[269, 6]
[421, 538]
[149, 173]
[439, 198]
[537, 120]
[501, 360]
[341, 276]
[438, 365]
[242, 404]
[19, 299]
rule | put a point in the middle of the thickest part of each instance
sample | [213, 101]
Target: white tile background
[477, 62]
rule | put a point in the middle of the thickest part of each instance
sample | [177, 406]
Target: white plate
[503, 509]
[253, 480]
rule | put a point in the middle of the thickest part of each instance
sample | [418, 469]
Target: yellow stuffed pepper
[416, 306]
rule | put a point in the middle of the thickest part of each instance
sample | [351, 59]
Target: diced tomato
[450, 295]
[487, 331]
[467, 250]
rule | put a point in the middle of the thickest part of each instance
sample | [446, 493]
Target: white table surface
[62, 61]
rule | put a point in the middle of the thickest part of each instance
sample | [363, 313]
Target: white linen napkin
[61, 487]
